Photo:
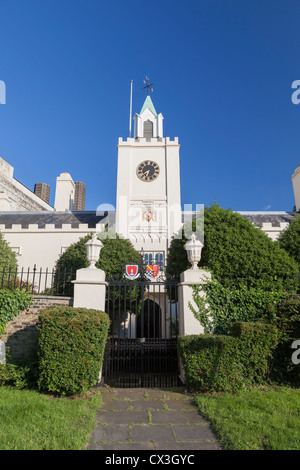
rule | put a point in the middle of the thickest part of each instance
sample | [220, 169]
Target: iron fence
[141, 349]
[39, 281]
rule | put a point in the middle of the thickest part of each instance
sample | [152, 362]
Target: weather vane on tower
[147, 85]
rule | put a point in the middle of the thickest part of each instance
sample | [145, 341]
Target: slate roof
[91, 218]
[274, 217]
[42, 218]
[258, 218]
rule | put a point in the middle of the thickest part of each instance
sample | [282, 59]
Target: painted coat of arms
[152, 271]
[132, 271]
[149, 215]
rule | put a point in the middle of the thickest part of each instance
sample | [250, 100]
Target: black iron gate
[141, 349]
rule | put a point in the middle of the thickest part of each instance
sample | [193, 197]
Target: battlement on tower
[142, 141]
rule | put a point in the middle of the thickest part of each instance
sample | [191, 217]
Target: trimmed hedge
[71, 349]
[287, 321]
[228, 363]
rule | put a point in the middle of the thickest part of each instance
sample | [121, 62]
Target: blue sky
[222, 73]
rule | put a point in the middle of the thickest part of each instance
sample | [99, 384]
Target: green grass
[30, 420]
[264, 418]
[259, 419]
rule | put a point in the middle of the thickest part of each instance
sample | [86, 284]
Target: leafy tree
[289, 239]
[8, 261]
[235, 251]
[115, 254]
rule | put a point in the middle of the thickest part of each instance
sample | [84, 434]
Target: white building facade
[14, 196]
[148, 202]
[148, 205]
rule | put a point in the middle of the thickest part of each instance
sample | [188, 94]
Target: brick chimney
[42, 190]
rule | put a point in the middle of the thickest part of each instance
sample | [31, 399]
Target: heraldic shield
[132, 271]
[152, 271]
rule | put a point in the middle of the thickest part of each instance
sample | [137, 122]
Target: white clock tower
[148, 208]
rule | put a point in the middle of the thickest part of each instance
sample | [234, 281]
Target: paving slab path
[150, 419]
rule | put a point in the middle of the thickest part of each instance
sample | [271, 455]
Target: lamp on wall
[93, 248]
[194, 248]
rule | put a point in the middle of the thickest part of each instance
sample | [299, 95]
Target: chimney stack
[79, 200]
[65, 192]
[42, 190]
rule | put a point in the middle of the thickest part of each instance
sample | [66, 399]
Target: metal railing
[39, 281]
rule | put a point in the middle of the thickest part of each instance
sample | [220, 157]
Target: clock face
[148, 171]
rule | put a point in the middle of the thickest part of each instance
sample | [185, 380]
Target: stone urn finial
[194, 248]
[93, 248]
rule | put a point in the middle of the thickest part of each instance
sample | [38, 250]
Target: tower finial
[147, 85]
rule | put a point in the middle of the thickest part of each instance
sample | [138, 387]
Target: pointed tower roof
[148, 104]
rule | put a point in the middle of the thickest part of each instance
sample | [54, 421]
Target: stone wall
[21, 336]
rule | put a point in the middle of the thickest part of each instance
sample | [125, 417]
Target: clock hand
[147, 173]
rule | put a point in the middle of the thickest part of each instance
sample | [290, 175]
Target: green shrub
[222, 306]
[257, 342]
[71, 349]
[287, 321]
[12, 302]
[12, 375]
[228, 363]
[289, 239]
[210, 363]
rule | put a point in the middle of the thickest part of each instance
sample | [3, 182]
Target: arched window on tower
[148, 129]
